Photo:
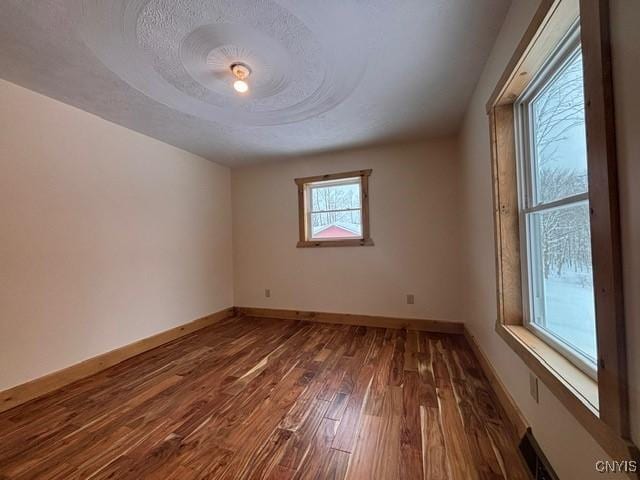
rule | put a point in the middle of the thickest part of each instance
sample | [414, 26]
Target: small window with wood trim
[333, 210]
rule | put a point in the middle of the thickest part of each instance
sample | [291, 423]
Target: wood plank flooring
[271, 399]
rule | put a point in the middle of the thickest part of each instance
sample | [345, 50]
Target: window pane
[337, 224]
[560, 168]
[562, 277]
[335, 197]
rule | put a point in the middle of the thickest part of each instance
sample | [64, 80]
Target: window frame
[304, 185]
[602, 406]
[568, 48]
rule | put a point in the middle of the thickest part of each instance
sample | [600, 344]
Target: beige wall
[414, 224]
[625, 40]
[107, 236]
[569, 447]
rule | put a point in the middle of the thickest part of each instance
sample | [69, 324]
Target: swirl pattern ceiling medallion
[178, 52]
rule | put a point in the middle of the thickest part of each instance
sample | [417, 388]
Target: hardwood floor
[278, 399]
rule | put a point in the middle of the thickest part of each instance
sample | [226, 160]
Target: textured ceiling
[326, 75]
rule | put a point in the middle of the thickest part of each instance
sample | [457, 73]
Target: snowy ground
[570, 310]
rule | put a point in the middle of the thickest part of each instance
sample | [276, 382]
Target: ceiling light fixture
[241, 71]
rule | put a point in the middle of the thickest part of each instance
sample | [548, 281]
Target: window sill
[576, 390]
[550, 366]
[336, 243]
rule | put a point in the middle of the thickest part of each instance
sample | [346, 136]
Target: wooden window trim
[601, 407]
[365, 241]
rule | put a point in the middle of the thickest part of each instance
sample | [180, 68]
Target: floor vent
[536, 461]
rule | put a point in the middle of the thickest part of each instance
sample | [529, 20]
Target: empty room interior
[293, 239]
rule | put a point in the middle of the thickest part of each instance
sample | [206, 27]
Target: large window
[560, 302]
[554, 208]
[334, 210]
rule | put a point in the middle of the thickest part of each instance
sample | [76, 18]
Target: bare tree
[565, 232]
[332, 199]
[559, 109]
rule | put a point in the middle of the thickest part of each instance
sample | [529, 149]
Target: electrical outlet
[410, 299]
[267, 292]
[533, 387]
